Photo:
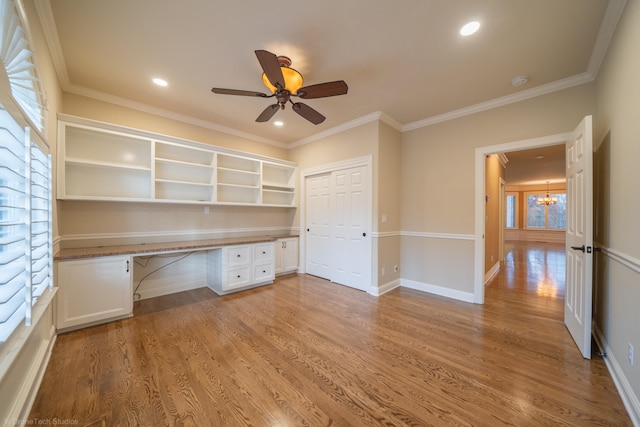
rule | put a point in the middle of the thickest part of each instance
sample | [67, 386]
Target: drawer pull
[238, 276]
[263, 252]
[238, 255]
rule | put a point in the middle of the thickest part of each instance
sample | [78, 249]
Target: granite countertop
[143, 248]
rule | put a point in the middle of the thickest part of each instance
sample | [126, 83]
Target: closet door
[349, 238]
[319, 220]
[337, 216]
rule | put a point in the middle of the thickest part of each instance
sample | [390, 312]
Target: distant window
[511, 212]
[546, 217]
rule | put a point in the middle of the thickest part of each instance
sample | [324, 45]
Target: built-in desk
[95, 284]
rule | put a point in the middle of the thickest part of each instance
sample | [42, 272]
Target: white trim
[383, 234]
[628, 261]
[479, 219]
[492, 273]
[438, 290]
[386, 287]
[605, 34]
[438, 235]
[545, 89]
[629, 399]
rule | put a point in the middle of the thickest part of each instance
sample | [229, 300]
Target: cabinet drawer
[238, 277]
[263, 272]
[263, 252]
[238, 255]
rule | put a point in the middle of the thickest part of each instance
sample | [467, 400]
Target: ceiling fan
[285, 82]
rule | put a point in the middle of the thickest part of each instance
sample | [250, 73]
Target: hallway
[531, 280]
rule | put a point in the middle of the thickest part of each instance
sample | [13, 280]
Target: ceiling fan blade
[308, 113]
[271, 67]
[221, 91]
[322, 90]
[268, 113]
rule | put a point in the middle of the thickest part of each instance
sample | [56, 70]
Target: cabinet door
[93, 290]
[290, 255]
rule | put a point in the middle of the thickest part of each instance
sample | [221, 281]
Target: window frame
[516, 209]
[537, 194]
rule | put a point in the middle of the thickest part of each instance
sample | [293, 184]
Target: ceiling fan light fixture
[292, 78]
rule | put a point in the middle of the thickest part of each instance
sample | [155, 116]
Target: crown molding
[605, 34]
[545, 89]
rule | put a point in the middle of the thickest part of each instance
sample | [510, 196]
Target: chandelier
[547, 200]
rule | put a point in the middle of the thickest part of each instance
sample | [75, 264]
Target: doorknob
[578, 248]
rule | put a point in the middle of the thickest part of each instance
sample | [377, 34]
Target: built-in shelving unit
[106, 165]
[278, 184]
[238, 179]
[98, 161]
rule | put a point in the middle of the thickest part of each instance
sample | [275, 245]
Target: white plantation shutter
[13, 229]
[25, 224]
[18, 61]
[41, 229]
[25, 179]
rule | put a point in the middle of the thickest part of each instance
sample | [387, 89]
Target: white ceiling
[536, 166]
[403, 59]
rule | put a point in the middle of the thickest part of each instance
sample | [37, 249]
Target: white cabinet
[92, 291]
[98, 161]
[286, 257]
[233, 268]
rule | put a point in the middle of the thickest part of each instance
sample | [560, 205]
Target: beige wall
[388, 184]
[84, 223]
[445, 153]
[617, 293]
[494, 172]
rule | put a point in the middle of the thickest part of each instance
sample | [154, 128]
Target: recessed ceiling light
[160, 82]
[469, 28]
[278, 123]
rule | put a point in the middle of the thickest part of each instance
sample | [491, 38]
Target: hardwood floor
[305, 351]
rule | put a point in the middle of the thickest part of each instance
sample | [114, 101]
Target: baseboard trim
[386, 287]
[492, 273]
[629, 399]
[438, 290]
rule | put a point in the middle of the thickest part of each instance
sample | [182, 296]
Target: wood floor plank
[309, 352]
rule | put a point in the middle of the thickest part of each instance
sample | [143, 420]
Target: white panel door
[319, 223]
[351, 253]
[579, 241]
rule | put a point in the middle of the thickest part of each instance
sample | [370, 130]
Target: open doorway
[525, 227]
[482, 153]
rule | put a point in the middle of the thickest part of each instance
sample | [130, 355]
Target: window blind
[25, 224]
[13, 234]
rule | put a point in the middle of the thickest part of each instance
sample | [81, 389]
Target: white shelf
[74, 161]
[99, 161]
[178, 190]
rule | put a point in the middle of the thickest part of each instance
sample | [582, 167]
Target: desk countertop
[146, 248]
